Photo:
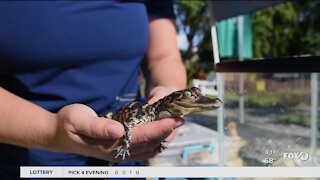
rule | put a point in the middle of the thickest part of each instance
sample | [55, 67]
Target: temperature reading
[269, 161]
[269, 156]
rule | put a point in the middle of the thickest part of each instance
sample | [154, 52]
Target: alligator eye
[187, 94]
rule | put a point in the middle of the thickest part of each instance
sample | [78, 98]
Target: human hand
[157, 93]
[146, 138]
[81, 131]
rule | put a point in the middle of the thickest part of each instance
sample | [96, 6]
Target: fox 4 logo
[303, 156]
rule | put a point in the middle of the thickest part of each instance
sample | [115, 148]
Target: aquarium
[270, 117]
[270, 112]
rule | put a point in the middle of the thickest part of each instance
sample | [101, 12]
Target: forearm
[23, 123]
[163, 63]
[169, 73]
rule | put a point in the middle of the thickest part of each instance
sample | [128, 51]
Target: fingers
[102, 135]
[100, 128]
[84, 120]
[155, 131]
[151, 150]
[152, 146]
[170, 137]
[145, 138]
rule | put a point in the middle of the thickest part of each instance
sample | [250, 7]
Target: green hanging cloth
[228, 37]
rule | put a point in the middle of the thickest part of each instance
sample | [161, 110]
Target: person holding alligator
[63, 63]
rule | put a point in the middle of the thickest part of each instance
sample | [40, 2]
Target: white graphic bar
[169, 172]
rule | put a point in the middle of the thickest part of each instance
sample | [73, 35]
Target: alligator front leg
[123, 150]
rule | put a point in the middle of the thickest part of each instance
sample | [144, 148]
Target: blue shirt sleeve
[160, 9]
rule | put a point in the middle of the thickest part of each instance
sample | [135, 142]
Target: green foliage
[273, 29]
[310, 17]
[193, 67]
[193, 21]
[286, 98]
[262, 99]
[288, 29]
[298, 119]
[291, 28]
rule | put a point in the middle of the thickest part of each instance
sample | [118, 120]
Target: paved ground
[261, 132]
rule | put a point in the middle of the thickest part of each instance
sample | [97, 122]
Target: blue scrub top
[54, 53]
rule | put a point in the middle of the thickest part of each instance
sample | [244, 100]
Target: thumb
[100, 128]
[85, 121]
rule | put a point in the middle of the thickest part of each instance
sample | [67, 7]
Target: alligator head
[185, 102]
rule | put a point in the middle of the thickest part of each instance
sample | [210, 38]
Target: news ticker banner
[168, 172]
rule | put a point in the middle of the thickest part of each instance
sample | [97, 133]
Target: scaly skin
[176, 104]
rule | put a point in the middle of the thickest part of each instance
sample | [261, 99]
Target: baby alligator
[178, 103]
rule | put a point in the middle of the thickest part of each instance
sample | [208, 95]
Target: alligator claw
[163, 146]
[122, 151]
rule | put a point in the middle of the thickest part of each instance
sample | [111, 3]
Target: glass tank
[270, 117]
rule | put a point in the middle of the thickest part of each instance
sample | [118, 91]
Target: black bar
[226, 9]
[279, 65]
